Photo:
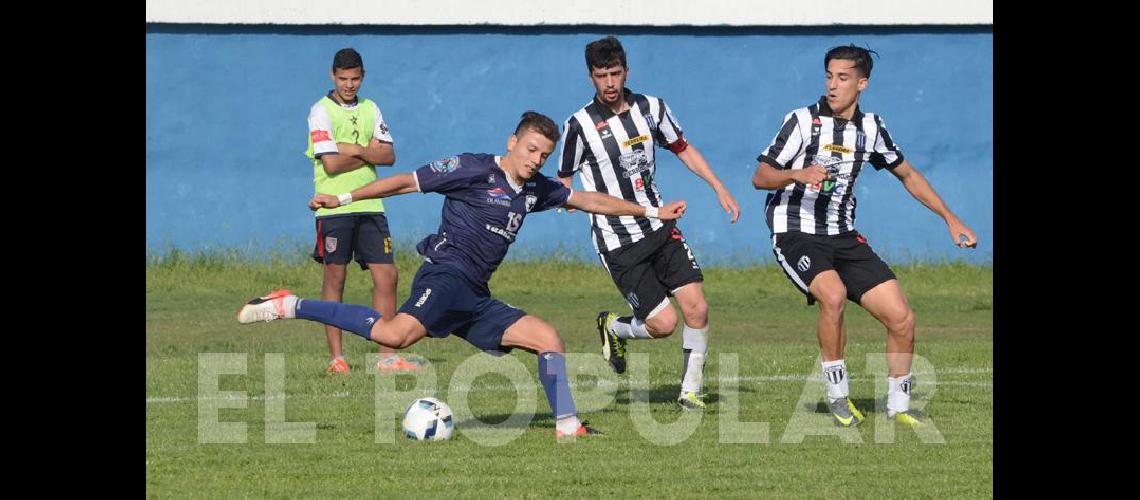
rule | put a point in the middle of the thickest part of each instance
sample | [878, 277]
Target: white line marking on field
[626, 382]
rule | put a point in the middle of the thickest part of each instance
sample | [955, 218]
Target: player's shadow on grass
[544, 422]
[865, 405]
[499, 421]
[665, 393]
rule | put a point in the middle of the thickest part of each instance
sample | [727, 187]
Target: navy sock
[351, 317]
[552, 374]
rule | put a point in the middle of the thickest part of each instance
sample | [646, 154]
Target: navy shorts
[446, 305]
[363, 236]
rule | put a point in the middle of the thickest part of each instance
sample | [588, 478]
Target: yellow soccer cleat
[845, 412]
[691, 401]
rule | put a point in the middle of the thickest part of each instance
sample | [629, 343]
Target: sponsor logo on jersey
[634, 163]
[497, 193]
[635, 140]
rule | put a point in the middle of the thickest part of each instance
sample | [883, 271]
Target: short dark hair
[540, 123]
[347, 59]
[605, 53]
[860, 56]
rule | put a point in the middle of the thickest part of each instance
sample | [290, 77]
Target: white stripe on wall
[579, 12]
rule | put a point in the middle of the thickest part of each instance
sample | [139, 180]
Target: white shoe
[266, 308]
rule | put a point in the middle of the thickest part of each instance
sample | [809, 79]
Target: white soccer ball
[428, 419]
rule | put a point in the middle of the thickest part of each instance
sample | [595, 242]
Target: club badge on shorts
[330, 244]
[804, 264]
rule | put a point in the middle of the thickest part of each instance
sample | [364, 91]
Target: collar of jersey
[607, 113]
[507, 176]
[338, 103]
[825, 110]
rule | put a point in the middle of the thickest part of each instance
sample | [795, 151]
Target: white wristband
[345, 198]
[651, 212]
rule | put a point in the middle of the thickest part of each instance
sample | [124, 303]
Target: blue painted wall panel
[225, 131]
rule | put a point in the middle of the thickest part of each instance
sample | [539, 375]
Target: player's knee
[405, 340]
[548, 340]
[901, 323]
[832, 301]
[554, 345]
[334, 280]
[388, 272]
[697, 314]
[392, 335]
[662, 324]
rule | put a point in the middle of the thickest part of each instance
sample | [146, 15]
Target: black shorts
[647, 272]
[803, 256]
[363, 236]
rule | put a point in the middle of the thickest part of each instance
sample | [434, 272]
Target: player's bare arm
[770, 177]
[380, 188]
[693, 159]
[378, 153]
[601, 203]
[917, 185]
[344, 160]
[569, 183]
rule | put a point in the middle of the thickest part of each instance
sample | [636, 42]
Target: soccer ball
[428, 419]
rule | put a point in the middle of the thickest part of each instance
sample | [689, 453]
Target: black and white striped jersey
[614, 154]
[812, 135]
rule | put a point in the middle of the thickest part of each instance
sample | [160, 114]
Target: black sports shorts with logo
[647, 272]
[803, 256]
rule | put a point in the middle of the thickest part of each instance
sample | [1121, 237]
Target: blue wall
[226, 130]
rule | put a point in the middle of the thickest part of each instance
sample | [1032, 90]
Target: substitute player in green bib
[348, 138]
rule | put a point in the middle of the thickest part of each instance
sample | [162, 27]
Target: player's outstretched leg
[283, 304]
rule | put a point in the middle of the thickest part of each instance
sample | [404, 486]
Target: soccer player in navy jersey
[487, 199]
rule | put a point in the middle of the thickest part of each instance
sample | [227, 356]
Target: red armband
[678, 145]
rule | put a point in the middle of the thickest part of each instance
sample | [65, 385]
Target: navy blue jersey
[482, 214]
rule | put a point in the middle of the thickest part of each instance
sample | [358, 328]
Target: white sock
[898, 394]
[630, 327]
[291, 302]
[568, 424]
[696, 339]
[835, 374]
[695, 342]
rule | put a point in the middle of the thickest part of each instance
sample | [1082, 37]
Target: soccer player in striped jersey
[609, 142]
[810, 168]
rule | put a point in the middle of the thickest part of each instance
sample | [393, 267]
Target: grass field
[755, 315]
